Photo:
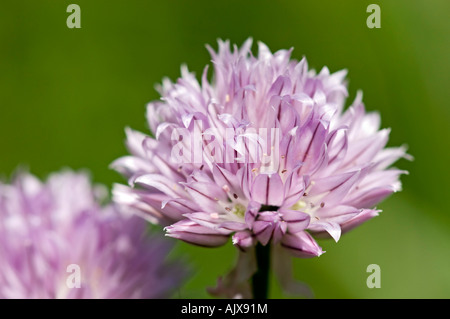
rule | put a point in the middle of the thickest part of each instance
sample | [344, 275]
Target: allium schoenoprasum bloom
[264, 152]
[56, 241]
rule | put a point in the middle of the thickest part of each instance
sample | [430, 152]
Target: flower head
[58, 242]
[264, 152]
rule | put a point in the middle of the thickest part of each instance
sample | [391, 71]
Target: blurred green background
[67, 94]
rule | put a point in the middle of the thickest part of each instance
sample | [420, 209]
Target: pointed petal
[161, 183]
[263, 231]
[268, 189]
[196, 234]
[211, 220]
[243, 240]
[206, 195]
[338, 186]
[134, 142]
[296, 221]
[251, 213]
[332, 228]
[294, 188]
[362, 217]
[130, 202]
[338, 214]
[301, 245]
[130, 165]
[244, 178]
[223, 177]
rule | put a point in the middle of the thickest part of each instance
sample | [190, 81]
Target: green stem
[260, 280]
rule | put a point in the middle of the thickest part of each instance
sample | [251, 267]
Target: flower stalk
[260, 280]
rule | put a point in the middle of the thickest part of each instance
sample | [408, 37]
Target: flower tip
[167, 229]
[172, 235]
[113, 165]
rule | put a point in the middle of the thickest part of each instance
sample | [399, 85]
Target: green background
[67, 94]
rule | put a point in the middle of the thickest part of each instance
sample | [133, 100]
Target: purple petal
[362, 217]
[214, 222]
[338, 186]
[279, 231]
[268, 189]
[243, 240]
[263, 231]
[301, 245]
[244, 178]
[269, 225]
[388, 156]
[134, 142]
[294, 188]
[161, 183]
[130, 201]
[196, 234]
[251, 213]
[206, 195]
[224, 177]
[338, 214]
[332, 228]
[296, 221]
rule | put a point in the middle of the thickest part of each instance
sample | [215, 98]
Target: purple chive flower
[263, 153]
[58, 242]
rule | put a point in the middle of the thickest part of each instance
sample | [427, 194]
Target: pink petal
[268, 189]
[332, 228]
[296, 221]
[362, 217]
[196, 234]
[301, 245]
[243, 240]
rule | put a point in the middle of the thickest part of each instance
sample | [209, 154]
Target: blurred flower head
[56, 241]
[265, 151]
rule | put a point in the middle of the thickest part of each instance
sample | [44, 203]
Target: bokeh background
[67, 94]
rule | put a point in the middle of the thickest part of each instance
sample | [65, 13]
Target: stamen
[299, 205]
[239, 210]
